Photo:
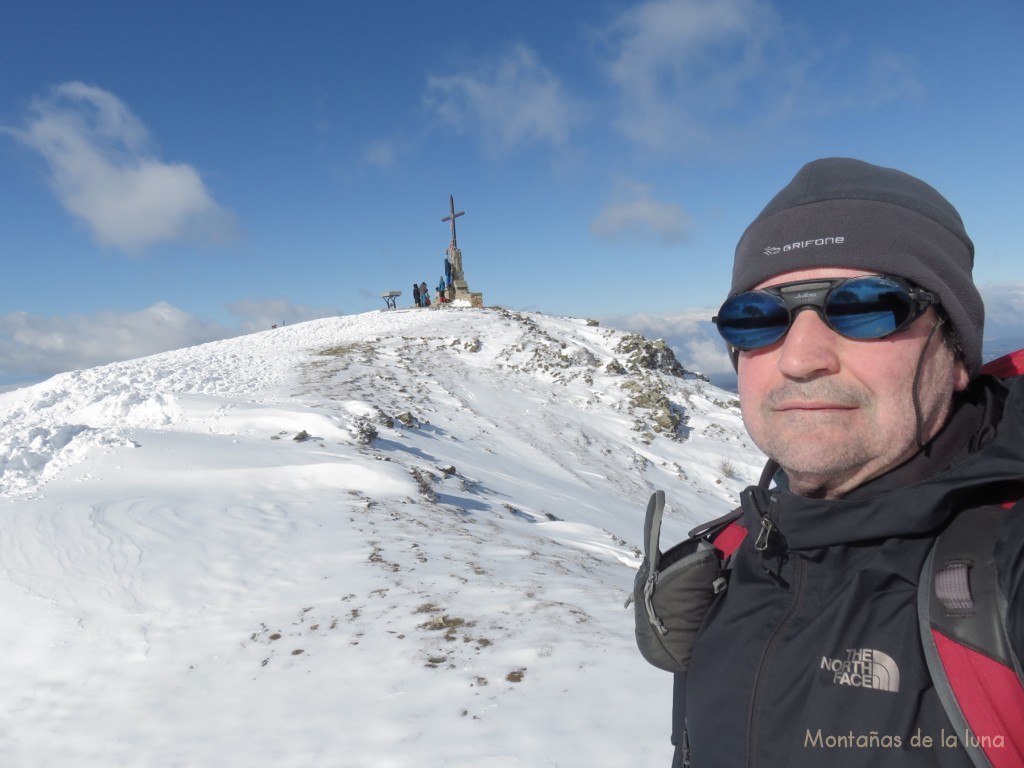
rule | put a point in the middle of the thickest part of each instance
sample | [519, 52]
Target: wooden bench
[389, 298]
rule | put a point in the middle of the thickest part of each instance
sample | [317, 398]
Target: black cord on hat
[915, 395]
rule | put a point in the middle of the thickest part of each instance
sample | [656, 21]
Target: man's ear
[960, 376]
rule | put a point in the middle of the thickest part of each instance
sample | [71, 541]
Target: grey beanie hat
[839, 212]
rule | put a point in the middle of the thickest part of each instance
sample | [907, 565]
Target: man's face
[836, 412]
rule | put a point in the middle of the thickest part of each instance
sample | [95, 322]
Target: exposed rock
[643, 354]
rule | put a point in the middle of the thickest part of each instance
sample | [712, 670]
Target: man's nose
[810, 349]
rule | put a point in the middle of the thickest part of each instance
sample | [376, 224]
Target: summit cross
[452, 217]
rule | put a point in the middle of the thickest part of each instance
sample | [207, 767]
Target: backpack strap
[962, 618]
[1007, 366]
[725, 532]
[673, 590]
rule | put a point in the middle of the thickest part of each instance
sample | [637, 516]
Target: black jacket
[812, 656]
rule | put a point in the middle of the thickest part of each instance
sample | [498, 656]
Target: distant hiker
[415, 295]
[424, 294]
[447, 272]
[440, 292]
[836, 625]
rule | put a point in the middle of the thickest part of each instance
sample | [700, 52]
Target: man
[856, 332]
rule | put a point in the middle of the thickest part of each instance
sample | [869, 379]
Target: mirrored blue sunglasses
[867, 307]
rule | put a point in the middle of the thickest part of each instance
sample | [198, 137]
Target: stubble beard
[825, 455]
[821, 458]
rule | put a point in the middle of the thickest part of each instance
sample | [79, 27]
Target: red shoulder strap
[730, 538]
[1007, 366]
[965, 640]
[991, 699]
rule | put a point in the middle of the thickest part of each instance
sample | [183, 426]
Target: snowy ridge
[431, 574]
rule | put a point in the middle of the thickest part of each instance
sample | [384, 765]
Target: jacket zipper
[761, 544]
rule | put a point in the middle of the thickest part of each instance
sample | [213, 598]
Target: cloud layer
[36, 347]
[697, 345]
[103, 172]
[33, 346]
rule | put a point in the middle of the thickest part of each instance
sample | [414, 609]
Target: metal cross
[452, 217]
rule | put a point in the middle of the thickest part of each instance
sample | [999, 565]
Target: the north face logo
[864, 668]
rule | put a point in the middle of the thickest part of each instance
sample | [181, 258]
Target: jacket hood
[977, 459]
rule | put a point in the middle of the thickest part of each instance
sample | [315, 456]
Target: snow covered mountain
[401, 538]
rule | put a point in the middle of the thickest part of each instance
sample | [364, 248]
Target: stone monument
[458, 288]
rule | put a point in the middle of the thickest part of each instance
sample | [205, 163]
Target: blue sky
[176, 172]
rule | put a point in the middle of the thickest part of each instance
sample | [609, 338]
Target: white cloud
[39, 346]
[512, 102]
[35, 346]
[675, 61]
[103, 172]
[640, 216]
[693, 73]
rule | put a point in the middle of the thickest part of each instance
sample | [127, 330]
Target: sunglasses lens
[752, 320]
[868, 308]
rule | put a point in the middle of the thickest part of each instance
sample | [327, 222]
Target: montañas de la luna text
[876, 740]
